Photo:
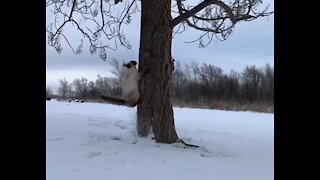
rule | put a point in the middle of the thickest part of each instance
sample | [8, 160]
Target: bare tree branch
[126, 13]
[100, 23]
[199, 7]
[211, 16]
[121, 21]
[65, 22]
[94, 20]
[178, 31]
[185, 14]
[101, 10]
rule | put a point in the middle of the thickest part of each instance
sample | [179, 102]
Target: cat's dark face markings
[130, 64]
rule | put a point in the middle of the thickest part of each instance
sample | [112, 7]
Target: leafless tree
[93, 91]
[266, 86]
[233, 86]
[100, 21]
[49, 92]
[81, 88]
[64, 89]
[117, 67]
[108, 86]
[250, 79]
[179, 80]
[194, 65]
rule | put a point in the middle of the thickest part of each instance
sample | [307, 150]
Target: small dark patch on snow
[54, 138]
[94, 154]
[116, 138]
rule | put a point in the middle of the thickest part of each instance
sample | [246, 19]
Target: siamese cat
[130, 86]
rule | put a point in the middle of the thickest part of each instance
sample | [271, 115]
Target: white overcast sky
[252, 43]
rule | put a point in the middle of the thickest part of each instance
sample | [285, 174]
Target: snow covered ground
[92, 141]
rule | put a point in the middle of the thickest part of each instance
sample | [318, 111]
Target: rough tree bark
[155, 110]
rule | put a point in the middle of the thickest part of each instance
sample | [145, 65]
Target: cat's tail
[117, 101]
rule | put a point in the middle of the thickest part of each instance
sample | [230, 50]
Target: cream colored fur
[130, 87]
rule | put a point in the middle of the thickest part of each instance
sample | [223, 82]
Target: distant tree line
[193, 85]
[83, 89]
[207, 86]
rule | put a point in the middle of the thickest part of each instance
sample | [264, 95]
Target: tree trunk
[155, 110]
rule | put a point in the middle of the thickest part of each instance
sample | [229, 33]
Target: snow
[93, 141]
